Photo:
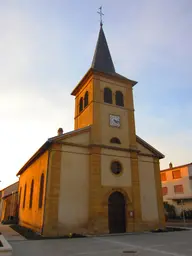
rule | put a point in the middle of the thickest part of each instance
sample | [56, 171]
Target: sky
[46, 46]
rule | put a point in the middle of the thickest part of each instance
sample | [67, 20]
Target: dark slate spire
[102, 60]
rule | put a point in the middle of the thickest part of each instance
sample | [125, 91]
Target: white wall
[148, 189]
[170, 183]
[74, 187]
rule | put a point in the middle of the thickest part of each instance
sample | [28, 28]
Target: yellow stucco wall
[143, 149]
[148, 190]
[107, 177]
[33, 218]
[74, 189]
[82, 139]
[103, 133]
[85, 117]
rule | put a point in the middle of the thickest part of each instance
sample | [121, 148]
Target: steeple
[102, 60]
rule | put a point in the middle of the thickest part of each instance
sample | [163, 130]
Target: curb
[181, 227]
[6, 249]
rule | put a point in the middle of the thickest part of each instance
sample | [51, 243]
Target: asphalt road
[149, 244]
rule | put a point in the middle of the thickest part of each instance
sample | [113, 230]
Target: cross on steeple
[101, 14]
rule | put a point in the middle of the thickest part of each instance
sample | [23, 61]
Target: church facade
[101, 177]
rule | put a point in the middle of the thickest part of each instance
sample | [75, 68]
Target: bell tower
[104, 100]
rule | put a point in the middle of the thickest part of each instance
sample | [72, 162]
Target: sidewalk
[10, 234]
[179, 224]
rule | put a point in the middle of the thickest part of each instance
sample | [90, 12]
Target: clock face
[114, 121]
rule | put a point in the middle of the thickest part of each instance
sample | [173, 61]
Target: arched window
[107, 95]
[115, 140]
[86, 99]
[20, 196]
[31, 194]
[24, 196]
[81, 104]
[119, 98]
[41, 190]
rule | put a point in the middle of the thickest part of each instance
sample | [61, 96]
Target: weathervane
[101, 14]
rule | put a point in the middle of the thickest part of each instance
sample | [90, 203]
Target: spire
[102, 60]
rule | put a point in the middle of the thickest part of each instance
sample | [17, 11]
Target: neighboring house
[177, 186]
[9, 202]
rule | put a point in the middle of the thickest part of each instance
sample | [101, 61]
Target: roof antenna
[101, 14]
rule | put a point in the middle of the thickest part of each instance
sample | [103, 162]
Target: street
[148, 244]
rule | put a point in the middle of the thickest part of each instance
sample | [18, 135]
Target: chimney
[170, 165]
[59, 131]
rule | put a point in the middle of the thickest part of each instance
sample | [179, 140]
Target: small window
[107, 95]
[81, 104]
[165, 191]
[176, 174]
[178, 189]
[86, 99]
[24, 196]
[119, 98]
[41, 190]
[115, 140]
[116, 167]
[163, 176]
[31, 194]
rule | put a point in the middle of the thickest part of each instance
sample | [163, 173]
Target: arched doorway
[116, 213]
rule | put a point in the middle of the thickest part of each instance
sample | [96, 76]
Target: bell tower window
[119, 99]
[107, 95]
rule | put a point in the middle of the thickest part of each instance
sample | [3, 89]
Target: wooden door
[116, 213]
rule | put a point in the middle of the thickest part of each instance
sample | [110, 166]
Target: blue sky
[46, 46]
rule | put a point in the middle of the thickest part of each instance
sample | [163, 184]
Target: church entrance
[116, 213]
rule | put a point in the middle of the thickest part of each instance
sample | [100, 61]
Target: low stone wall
[6, 249]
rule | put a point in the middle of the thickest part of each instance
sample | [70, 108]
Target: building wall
[82, 139]
[33, 218]
[102, 131]
[10, 189]
[1, 204]
[148, 190]
[10, 207]
[5, 209]
[74, 188]
[110, 179]
[100, 190]
[184, 180]
[85, 117]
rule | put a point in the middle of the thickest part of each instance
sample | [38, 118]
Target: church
[101, 177]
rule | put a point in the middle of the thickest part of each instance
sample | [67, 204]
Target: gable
[82, 138]
[146, 148]
[143, 149]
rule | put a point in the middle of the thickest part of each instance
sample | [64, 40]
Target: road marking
[156, 245]
[141, 247]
